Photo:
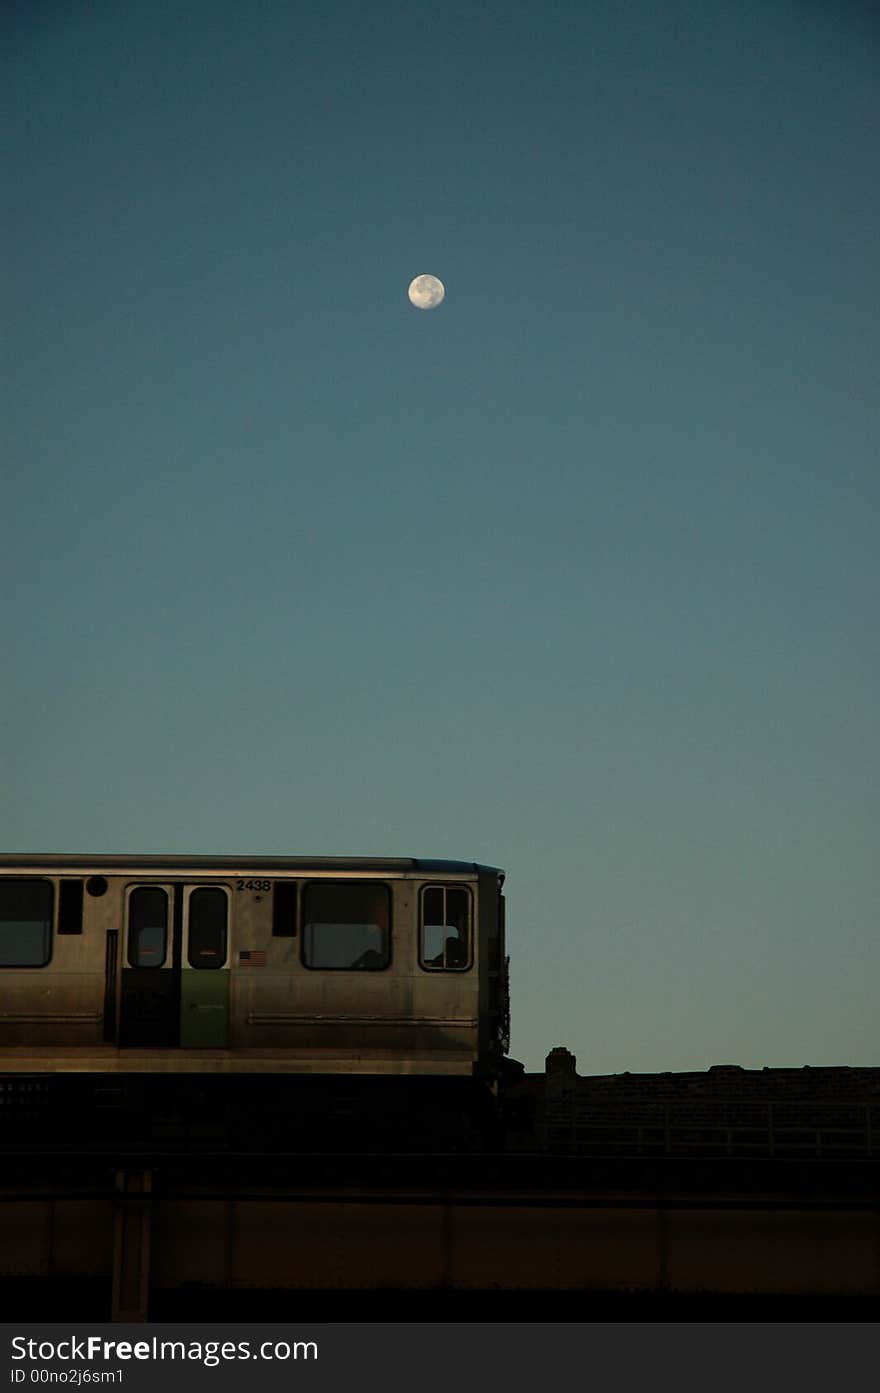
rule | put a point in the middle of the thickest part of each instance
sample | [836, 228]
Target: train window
[284, 909]
[346, 924]
[207, 927]
[26, 909]
[147, 926]
[445, 929]
[70, 907]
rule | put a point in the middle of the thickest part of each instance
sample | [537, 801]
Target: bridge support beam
[131, 1245]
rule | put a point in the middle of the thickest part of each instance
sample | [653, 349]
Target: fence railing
[653, 1128]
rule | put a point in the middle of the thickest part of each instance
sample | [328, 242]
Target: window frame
[306, 886]
[53, 908]
[445, 886]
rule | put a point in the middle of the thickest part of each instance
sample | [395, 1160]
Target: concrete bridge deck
[153, 1230]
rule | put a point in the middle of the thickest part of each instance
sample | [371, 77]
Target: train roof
[397, 865]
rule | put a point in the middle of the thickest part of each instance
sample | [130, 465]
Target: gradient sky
[576, 575]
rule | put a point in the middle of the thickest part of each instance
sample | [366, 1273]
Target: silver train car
[209, 986]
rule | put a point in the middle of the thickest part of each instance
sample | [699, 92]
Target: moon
[426, 292]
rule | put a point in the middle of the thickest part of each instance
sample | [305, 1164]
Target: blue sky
[576, 574]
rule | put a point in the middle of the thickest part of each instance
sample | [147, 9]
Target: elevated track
[154, 1231]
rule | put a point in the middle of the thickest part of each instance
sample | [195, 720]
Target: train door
[149, 1003]
[204, 977]
[175, 972]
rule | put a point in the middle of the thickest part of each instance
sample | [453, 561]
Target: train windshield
[445, 928]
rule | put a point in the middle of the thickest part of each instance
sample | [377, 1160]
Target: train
[252, 1000]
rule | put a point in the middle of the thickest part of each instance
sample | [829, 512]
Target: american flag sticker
[252, 957]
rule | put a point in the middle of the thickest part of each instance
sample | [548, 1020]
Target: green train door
[175, 971]
[204, 976]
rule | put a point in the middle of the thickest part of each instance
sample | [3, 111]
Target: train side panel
[187, 970]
